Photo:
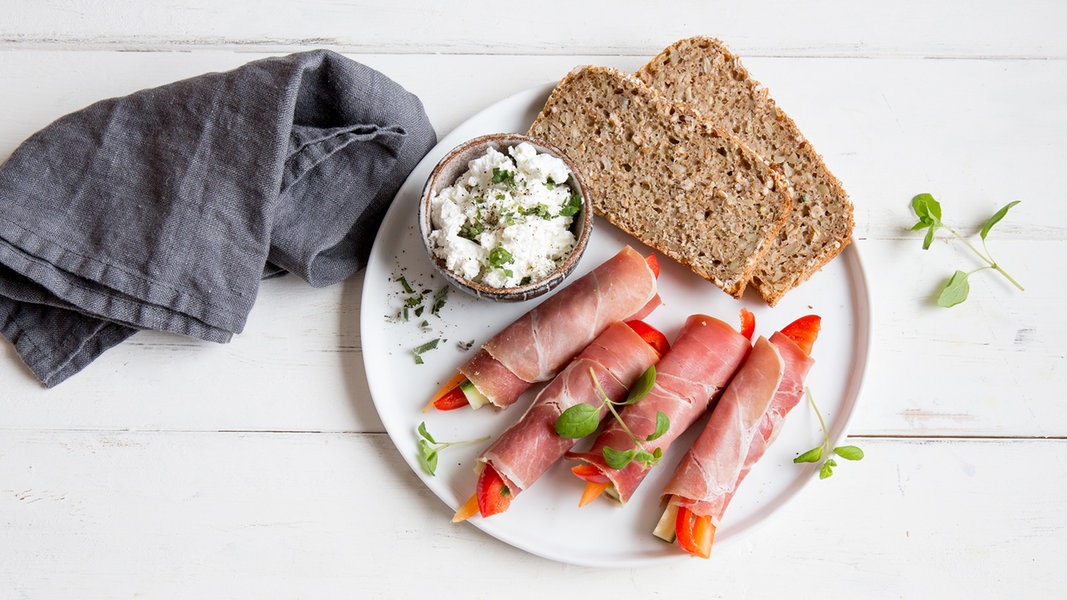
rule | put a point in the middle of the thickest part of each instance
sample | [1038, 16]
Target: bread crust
[666, 176]
[702, 73]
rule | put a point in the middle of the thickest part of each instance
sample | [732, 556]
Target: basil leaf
[920, 206]
[578, 421]
[955, 290]
[642, 387]
[644, 457]
[826, 470]
[996, 219]
[425, 433]
[929, 239]
[925, 205]
[662, 424]
[812, 455]
[849, 452]
[427, 457]
[617, 459]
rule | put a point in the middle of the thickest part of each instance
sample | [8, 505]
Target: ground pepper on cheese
[507, 220]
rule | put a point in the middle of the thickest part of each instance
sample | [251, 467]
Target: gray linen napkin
[163, 209]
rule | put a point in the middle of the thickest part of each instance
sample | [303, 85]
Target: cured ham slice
[528, 448]
[541, 342]
[743, 424]
[692, 374]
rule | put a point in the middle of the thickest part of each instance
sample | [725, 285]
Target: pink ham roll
[743, 424]
[691, 375]
[531, 446]
[541, 342]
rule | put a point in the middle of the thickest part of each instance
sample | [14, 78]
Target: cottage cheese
[507, 220]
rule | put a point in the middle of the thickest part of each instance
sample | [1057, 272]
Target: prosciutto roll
[692, 374]
[744, 423]
[541, 342]
[528, 448]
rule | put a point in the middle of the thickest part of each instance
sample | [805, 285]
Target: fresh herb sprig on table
[816, 453]
[581, 420]
[956, 289]
[429, 448]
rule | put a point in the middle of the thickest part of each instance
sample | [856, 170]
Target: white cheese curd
[507, 220]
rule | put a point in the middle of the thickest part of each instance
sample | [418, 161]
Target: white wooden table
[176, 468]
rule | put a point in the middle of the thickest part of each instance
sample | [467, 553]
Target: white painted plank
[774, 27]
[122, 514]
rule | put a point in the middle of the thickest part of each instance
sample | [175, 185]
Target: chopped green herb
[472, 231]
[439, 300]
[549, 184]
[498, 257]
[404, 284]
[419, 350]
[574, 204]
[541, 210]
[503, 176]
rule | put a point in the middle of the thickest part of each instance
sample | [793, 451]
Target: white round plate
[545, 519]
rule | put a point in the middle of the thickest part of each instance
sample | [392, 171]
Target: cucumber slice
[475, 398]
[665, 528]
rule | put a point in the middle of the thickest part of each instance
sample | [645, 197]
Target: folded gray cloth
[164, 209]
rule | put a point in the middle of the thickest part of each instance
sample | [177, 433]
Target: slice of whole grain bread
[702, 73]
[666, 176]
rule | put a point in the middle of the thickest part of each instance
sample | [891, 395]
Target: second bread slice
[667, 177]
[705, 75]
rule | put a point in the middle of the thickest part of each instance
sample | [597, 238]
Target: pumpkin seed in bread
[664, 175]
[704, 74]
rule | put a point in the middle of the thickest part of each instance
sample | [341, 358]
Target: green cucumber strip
[475, 398]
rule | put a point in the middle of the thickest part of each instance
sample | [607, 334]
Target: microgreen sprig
[816, 453]
[429, 448]
[957, 287]
[581, 420]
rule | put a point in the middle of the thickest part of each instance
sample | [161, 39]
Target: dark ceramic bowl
[453, 165]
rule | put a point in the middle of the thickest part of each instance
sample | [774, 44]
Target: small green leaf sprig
[956, 289]
[429, 448]
[816, 453]
[581, 420]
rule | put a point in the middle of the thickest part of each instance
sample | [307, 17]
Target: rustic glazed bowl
[453, 165]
